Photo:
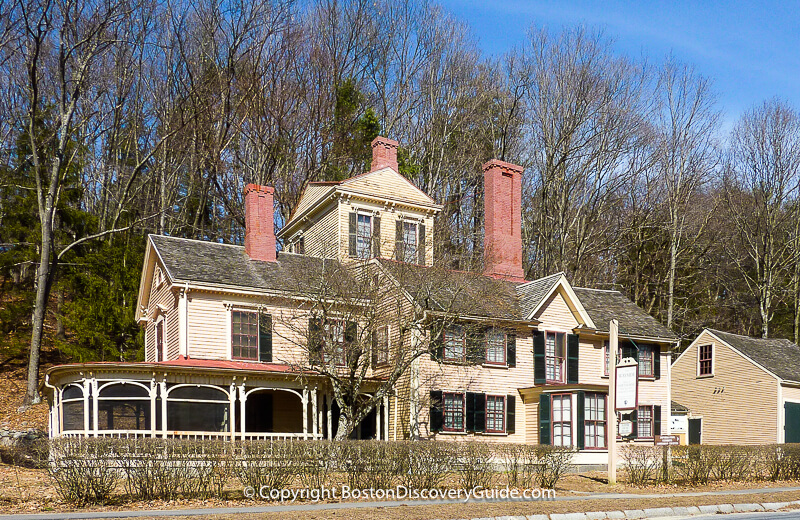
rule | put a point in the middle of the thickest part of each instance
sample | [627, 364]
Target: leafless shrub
[551, 464]
[318, 461]
[642, 463]
[735, 462]
[694, 463]
[266, 463]
[474, 464]
[83, 470]
[514, 459]
[425, 465]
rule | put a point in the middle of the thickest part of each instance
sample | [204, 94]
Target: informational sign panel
[667, 440]
[627, 387]
[625, 428]
[679, 424]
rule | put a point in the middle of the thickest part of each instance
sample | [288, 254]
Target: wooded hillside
[120, 118]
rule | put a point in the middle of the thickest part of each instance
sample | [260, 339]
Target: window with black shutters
[594, 411]
[646, 361]
[562, 419]
[453, 407]
[555, 356]
[644, 422]
[410, 242]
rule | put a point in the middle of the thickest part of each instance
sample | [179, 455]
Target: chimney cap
[384, 141]
[258, 187]
[502, 165]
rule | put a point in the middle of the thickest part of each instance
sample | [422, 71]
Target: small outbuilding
[738, 389]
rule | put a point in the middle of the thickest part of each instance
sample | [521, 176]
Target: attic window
[705, 360]
[159, 276]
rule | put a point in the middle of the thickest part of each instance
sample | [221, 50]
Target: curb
[657, 512]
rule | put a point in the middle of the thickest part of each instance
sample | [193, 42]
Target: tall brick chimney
[502, 243]
[259, 235]
[384, 154]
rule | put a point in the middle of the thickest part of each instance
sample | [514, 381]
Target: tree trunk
[345, 427]
[673, 261]
[43, 278]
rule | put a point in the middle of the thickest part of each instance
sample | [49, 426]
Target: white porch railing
[188, 435]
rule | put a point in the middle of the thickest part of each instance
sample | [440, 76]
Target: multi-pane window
[495, 414]
[562, 420]
[382, 345]
[454, 344]
[334, 336]
[646, 361]
[244, 335]
[555, 356]
[705, 360]
[453, 405]
[363, 236]
[595, 420]
[496, 347]
[409, 242]
[644, 422]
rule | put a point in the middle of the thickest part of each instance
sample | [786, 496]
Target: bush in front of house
[84, 470]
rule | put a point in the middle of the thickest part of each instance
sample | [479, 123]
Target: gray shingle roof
[603, 306]
[532, 293]
[457, 292]
[779, 356]
[222, 264]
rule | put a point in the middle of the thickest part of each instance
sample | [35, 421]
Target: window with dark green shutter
[316, 341]
[573, 350]
[353, 231]
[544, 419]
[453, 407]
[244, 335]
[436, 411]
[580, 426]
[511, 413]
[594, 419]
[265, 338]
[399, 254]
[422, 244]
[495, 414]
[436, 332]
[657, 420]
[539, 373]
[511, 350]
[376, 236]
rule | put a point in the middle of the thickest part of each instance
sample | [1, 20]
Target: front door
[791, 415]
[695, 427]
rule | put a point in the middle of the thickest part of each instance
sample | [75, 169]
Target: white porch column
[378, 422]
[330, 417]
[232, 408]
[153, 417]
[87, 387]
[95, 407]
[305, 412]
[386, 417]
[242, 403]
[314, 421]
[163, 386]
[60, 410]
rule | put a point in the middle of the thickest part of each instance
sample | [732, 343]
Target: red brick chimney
[384, 154]
[502, 243]
[259, 235]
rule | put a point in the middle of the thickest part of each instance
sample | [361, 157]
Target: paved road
[782, 515]
[358, 505]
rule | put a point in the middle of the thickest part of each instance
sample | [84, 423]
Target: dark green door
[695, 426]
[791, 414]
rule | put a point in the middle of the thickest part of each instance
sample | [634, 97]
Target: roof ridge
[558, 274]
[599, 290]
[194, 240]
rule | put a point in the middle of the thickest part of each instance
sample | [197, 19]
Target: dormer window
[410, 242]
[364, 233]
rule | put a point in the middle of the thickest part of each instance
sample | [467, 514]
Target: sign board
[625, 428]
[627, 386]
[667, 440]
[679, 423]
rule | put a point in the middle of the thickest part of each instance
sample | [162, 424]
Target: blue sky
[751, 50]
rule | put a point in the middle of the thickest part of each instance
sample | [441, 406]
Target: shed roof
[779, 356]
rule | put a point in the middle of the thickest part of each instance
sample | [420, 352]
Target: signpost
[623, 391]
[613, 346]
[627, 385]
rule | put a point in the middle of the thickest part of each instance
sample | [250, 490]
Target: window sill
[705, 376]
[450, 432]
[495, 365]
[493, 434]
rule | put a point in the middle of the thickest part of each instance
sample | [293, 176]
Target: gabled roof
[779, 356]
[603, 306]
[533, 296]
[210, 263]
[384, 185]
[458, 293]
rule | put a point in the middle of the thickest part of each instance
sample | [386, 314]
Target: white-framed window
[705, 360]
[453, 406]
[382, 345]
[562, 419]
[644, 422]
[555, 356]
[646, 361]
[495, 347]
[455, 346]
[410, 241]
[363, 235]
[244, 335]
[595, 420]
[495, 414]
[160, 337]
